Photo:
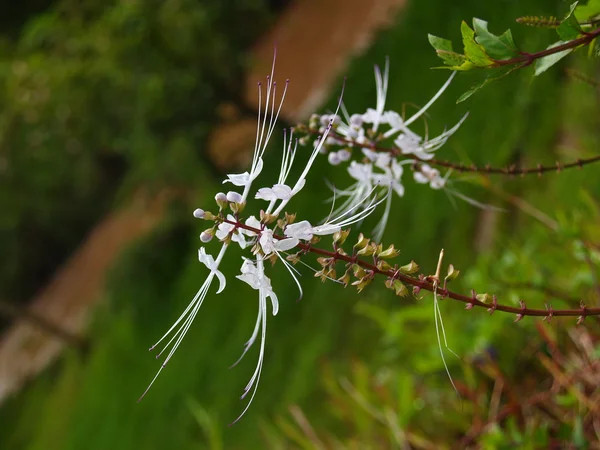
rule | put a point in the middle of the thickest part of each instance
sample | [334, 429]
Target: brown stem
[461, 168]
[528, 58]
[443, 292]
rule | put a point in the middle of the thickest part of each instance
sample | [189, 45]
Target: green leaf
[439, 43]
[498, 47]
[594, 49]
[443, 48]
[492, 76]
[569, 28]
[473, 51]
[452, 59]
[586, 12]
[543, 64]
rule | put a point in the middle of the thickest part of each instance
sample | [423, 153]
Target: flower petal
[222, 281]
[274, 301]
[265, 194]
[286, 244]
[282, 191]
[238, 179]
[257, 170]
[420, 178]
[299, 186]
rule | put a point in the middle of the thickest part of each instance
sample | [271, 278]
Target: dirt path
[315, 39]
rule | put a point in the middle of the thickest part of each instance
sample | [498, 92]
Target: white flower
[211, 265]
[375, 116]
[429, 175]
[246, 178]
[271, 245]
[299, 230]
[382, 160]
[410, 144]
[225, 228]
[279, 192]
[361, 172]
[356, 120]
[255, 277]
[199, 213]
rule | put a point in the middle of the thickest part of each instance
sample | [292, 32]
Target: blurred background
[119, 118]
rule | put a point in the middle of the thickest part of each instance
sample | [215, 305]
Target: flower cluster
[267, 237]
[374, 164]
[377, 147]
[273, 232]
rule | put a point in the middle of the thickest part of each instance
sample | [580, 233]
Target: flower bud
[234, 197]
[452, 273]
[333, 158]
[340, 236]
[409, 268]
[362, 242]
[368, 250]
[397, 286]
[356, 120]
[221, 200]
[344, 155]
[345, 279]
[483, 298]
[389, 252]
[199, 213]
[206, 235]
[383, 266]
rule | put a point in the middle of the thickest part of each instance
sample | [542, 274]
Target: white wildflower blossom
[254, 275]
[225, 229]
[300, 230]
[270, 245]
[212, 265]
[259, 234]
[368, 131]
[428, 175]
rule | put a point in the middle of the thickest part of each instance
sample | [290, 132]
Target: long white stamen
[256, 376]
[291, 269]
[380, 228]
[188, 316]
[313, 156]
[430, 102]
[250, 341]
[437, 316]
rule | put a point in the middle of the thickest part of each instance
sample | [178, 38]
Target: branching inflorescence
[276, 235]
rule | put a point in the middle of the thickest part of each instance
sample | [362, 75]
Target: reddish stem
[528, 58]
[510, 170]
[442, 292]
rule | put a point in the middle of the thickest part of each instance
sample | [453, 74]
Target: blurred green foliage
[383, 347]
[104, 96]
